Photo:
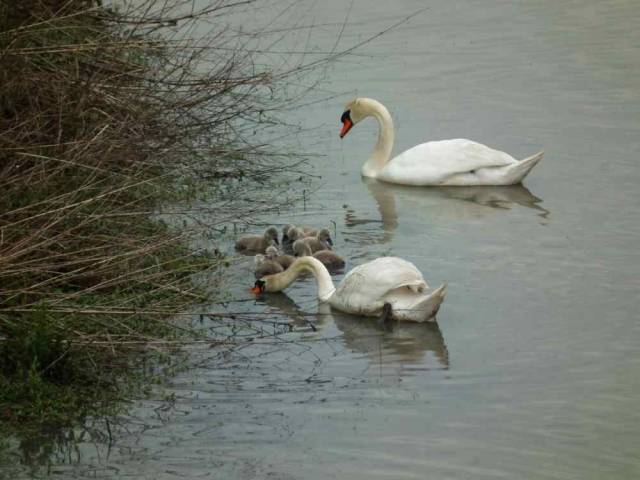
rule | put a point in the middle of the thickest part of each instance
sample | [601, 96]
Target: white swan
[365, 289]
[447, 162]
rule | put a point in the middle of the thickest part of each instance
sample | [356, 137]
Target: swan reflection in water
[404, 344]
[469, 203]
[301, 321]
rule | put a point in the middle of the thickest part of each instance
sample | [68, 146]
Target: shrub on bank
[104, 116]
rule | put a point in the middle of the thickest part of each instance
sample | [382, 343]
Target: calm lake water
[533, 368]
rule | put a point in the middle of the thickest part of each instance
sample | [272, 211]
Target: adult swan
[367, 288]
[456, 162]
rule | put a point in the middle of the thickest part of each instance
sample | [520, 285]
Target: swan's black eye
[346, 116]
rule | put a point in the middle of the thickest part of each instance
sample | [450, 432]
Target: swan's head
[259, 287]
[271, 253]
[325, 236]
[350, 116]
[265, 284]
[354, 111]
[271, 233]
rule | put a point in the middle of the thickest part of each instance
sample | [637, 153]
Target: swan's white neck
[384, 145]
[280, 281]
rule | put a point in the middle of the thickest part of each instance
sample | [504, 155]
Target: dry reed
[108, 117]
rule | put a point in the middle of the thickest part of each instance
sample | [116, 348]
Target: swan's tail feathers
[424, 309]
[515, 173]
[438, 295]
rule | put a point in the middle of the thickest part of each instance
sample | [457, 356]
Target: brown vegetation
[105, 116]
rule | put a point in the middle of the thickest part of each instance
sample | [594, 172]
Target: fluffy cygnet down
[306, 231]
[258, 243]
[320, 242]
[265, 266]
[328, 258]
[283, 259]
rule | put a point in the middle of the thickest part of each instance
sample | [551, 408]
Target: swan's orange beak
[258, 287]
[346, 126]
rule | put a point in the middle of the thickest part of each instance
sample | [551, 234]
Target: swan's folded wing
[432, 162]
[365, 287]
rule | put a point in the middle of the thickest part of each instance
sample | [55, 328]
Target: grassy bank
[107, 116]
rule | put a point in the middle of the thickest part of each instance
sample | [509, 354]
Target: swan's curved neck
[280, 281]
[384, 145]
